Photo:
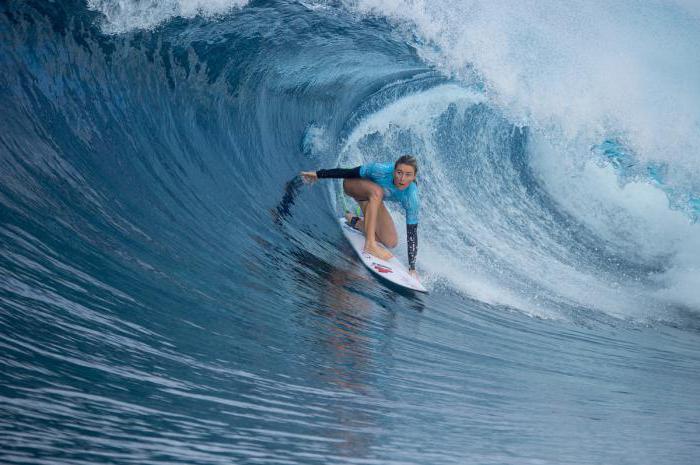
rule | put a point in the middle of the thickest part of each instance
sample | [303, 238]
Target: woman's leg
[367, 191]
[386, 230]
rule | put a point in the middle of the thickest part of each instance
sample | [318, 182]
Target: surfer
[370, 185]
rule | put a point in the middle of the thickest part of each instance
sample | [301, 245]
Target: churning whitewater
[171, 293]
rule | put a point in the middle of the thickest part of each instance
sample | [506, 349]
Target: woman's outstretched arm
[345, 173]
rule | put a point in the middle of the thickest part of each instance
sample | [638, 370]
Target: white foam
[416, 111]
[126, 15]
[581, 71]
[634, 216]
[630, 218]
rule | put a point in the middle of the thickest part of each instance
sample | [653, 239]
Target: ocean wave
[170, 291]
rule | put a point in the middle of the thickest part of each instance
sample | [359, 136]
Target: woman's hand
[309, 177]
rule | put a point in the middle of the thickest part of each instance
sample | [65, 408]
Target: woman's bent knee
[376, 193]
[362, 189]
[391, 243]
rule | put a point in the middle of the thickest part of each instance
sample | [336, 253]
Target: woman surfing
[370, 185]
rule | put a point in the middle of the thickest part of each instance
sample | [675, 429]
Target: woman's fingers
[309, 176]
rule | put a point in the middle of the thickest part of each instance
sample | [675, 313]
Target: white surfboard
[392, 270]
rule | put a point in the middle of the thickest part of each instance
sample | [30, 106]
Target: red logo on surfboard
[381, 268]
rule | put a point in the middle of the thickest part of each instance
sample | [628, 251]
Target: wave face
[168, 295]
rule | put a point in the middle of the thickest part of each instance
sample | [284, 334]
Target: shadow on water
[283, 209]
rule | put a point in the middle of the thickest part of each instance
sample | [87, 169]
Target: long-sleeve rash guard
[383, 175]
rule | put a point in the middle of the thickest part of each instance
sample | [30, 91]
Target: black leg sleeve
[412, 242]
[345, 173]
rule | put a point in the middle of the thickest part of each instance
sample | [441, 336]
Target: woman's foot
[377, 251]
[373, 249]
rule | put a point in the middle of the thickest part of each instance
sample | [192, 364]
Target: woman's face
[404, 175]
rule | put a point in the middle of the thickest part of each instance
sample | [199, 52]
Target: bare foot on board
[377, 251]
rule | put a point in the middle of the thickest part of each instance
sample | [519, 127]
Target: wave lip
[127, 15]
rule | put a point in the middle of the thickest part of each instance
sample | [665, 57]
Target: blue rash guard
[382, 174]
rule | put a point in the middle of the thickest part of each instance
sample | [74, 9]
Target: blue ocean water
[169, 293]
